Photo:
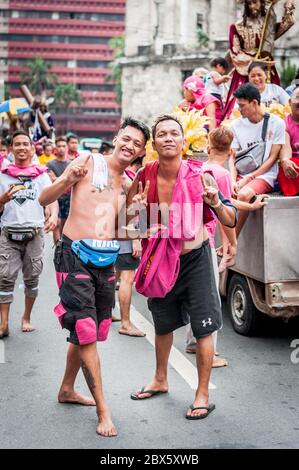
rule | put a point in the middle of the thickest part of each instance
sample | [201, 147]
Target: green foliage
[115, 75]
[65, 95]
[38, 76]
[202, 38]
[288, 73]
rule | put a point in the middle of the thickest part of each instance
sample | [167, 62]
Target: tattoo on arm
[88, 377]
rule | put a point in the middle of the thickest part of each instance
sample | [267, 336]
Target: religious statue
[252, 39]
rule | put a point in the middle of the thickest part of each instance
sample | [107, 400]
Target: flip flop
[224, 363]
[209, 409]
[152, 393]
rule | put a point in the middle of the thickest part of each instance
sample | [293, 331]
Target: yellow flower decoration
[275, 108]
[278, 109]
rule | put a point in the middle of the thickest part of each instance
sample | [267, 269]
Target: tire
[246, 319]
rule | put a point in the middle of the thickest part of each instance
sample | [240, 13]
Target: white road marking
[177, 360]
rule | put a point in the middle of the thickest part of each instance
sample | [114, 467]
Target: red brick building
[72, 36]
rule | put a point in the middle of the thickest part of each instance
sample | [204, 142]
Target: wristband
[215, 206]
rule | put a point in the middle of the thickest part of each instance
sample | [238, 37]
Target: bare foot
[27, 327]
[131, 330]
[4, 331]
[106, 427]
[219, 362]
[74, 398]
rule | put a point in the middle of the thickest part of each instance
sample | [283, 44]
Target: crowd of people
[159, 219]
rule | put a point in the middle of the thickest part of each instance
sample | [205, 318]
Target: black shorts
[87, 296]
[64, 207]
[127, 262]
[194, 297]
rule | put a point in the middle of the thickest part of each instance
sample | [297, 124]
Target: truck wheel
[245, 318]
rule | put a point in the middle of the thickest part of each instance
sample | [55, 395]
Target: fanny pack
[252, 158]
[96, 253]
[20, 234]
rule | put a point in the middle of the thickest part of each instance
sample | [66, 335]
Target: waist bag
[96, 253]
[252, 158]
[20, 234]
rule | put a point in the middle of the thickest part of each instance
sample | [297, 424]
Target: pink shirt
[203, 102]
[293, 131]
[224, 182]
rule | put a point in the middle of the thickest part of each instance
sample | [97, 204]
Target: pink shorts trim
[104, 329]
[259, 186]
[86, 331]
[60, 311]
[60, 277]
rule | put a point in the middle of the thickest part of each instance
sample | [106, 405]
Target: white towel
[100, 172]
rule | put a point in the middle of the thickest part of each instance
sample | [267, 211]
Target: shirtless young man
[99, 189]
[195, 290]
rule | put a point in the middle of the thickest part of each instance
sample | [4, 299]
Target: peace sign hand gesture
[140, 199]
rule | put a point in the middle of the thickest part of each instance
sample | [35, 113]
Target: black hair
[165, 117]
[246, 13]
[137, 161]
[130, 122]
[106, 146]
[260, 65]
[297, 74]
[47, 143]
[72, 136]
[61, 138]
[219, 61]
[17, 133]
[248, 92]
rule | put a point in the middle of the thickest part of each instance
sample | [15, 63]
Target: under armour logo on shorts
[207, 322]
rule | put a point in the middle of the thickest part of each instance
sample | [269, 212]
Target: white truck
[265, 278]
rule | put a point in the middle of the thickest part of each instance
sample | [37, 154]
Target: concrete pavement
[256, 396]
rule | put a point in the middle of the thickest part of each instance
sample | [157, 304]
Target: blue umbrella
[14, 106]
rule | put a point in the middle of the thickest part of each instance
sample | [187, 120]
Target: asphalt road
[256, 397]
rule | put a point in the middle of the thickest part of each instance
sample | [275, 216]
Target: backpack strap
[265, 126]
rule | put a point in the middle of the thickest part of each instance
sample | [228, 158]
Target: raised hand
[8, 195]
[210, 194]
[77, 172]
[140, 199]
